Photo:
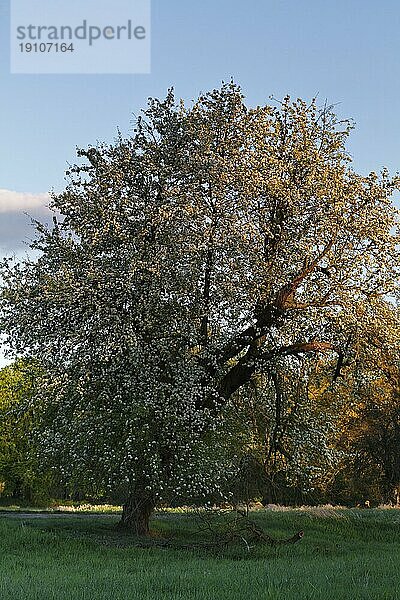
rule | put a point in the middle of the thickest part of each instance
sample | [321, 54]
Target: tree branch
[243, 370]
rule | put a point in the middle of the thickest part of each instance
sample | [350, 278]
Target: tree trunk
[136, 513]
[396, 495]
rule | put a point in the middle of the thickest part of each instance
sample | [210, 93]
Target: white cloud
[18, 202]
[16, 229]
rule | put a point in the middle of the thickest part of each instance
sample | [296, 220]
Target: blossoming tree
[184, 260]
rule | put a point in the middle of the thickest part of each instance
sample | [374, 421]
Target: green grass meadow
[352, 554]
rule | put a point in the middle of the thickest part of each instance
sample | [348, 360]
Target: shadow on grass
[335, 535]
[177, 533]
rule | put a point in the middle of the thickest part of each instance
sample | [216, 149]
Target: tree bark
[136, 513]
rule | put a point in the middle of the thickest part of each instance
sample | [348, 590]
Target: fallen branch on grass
[239, 529]
[244, 529]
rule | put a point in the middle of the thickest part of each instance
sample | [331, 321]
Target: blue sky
[345, 51]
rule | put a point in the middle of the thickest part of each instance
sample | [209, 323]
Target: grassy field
[351, 554]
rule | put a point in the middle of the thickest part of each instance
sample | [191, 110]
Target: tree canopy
[217, 243]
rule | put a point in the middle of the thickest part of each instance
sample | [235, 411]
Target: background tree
[370, 423]
[18, 474]
[215, 242]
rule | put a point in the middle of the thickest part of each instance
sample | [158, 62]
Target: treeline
[298, 437]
